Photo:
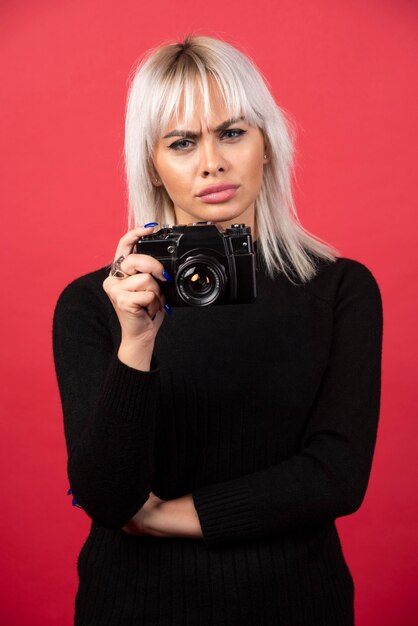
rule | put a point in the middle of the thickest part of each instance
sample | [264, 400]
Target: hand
[177, 518]
[166, 518]
[138, 298]
[137, 525]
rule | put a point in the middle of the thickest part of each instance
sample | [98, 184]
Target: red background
[345, 70]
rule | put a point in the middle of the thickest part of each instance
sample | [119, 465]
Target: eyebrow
[188, 134]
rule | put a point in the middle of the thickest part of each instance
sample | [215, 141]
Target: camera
[210, 265]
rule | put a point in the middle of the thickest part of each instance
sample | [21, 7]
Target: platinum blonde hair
[168, 75]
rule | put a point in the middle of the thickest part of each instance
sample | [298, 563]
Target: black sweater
[266, 413]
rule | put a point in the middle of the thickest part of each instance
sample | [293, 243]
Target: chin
[214, 213]
[221, 213]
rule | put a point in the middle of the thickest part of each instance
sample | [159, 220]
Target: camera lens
[201, 282]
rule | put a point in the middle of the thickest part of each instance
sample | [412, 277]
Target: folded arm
[329, 477]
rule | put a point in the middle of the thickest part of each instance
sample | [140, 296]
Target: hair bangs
[176, 99]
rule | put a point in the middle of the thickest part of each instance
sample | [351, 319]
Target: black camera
[210, 265]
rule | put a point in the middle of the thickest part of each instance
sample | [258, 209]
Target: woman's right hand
[138, 298]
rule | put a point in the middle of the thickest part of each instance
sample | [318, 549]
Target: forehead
[215, 112]
[194, 103]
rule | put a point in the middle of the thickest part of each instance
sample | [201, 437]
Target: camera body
[210, 265]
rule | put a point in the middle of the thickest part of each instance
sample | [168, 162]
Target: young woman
[213, 447]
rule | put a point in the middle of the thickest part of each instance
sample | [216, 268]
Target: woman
[214, 447]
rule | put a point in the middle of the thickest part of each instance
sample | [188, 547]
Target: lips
[215, 188]
[219, 196]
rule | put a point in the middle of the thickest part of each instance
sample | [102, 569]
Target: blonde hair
[162, 78]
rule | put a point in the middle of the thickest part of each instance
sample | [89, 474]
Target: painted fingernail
[75, 503]
[150, 224]
[69, 492]
[168, 308]
[168, 276]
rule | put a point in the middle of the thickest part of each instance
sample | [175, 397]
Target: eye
[235, 130]
[177, 145]
[180, 144]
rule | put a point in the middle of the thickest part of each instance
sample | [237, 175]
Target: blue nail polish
[168, 276]
[75, 503]
[168, 309]
[69, 492]
[150, 224]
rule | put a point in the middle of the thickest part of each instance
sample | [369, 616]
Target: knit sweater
[265, 412]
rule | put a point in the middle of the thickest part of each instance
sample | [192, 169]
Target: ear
[266, 149]
[155, 179]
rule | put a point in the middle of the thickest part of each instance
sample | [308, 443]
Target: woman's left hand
[139, 523]
[166, 518]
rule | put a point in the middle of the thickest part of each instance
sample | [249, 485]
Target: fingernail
[75, 503]
[69, 492]
[168, 276]
[168, 308]
[150, 224]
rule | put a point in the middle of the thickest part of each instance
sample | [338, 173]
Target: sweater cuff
[225, 511]
[128, 392]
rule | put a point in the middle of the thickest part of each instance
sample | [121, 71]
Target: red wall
[345, 71]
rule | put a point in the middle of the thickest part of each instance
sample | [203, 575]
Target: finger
[137, 282]
[126, 243]
[143, 263]
[138, 301]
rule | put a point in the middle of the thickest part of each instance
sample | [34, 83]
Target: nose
[212, 158]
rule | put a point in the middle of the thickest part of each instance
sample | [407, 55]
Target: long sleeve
[329, 476]
[110, 410]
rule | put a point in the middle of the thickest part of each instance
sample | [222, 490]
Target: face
[205, 156]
